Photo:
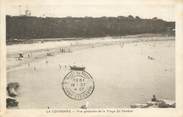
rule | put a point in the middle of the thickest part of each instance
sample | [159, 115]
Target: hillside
[24, 27]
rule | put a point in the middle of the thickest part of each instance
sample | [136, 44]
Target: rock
[49, 54]
[139, 106]
[151, 103]
[12, 89]
[85, 106]
[150, 58]
[166, 104]
[162, 103]
[11, 102]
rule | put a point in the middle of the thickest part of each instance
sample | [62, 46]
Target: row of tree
[26, 27]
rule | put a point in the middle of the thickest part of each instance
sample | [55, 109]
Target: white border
[177, 112]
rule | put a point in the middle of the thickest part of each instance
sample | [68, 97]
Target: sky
[163, 9]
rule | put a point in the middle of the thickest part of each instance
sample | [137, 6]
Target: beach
[125, 71]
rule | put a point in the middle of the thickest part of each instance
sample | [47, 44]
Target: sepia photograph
[90, 54]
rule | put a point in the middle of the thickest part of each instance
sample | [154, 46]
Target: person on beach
[20, 57]
[122, 44]
[60, 66]
[154, 98]
[35, 69]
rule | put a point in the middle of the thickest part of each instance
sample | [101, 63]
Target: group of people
[64, 50]
[21, 56]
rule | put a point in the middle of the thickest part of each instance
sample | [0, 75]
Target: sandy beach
[121, 70]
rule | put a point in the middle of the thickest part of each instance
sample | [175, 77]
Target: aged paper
[100, 57]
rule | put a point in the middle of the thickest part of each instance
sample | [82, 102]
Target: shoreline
[39, 54]
[36, 40]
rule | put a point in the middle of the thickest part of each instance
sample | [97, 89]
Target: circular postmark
[78, 85]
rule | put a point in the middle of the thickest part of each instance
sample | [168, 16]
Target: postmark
[78, 85]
